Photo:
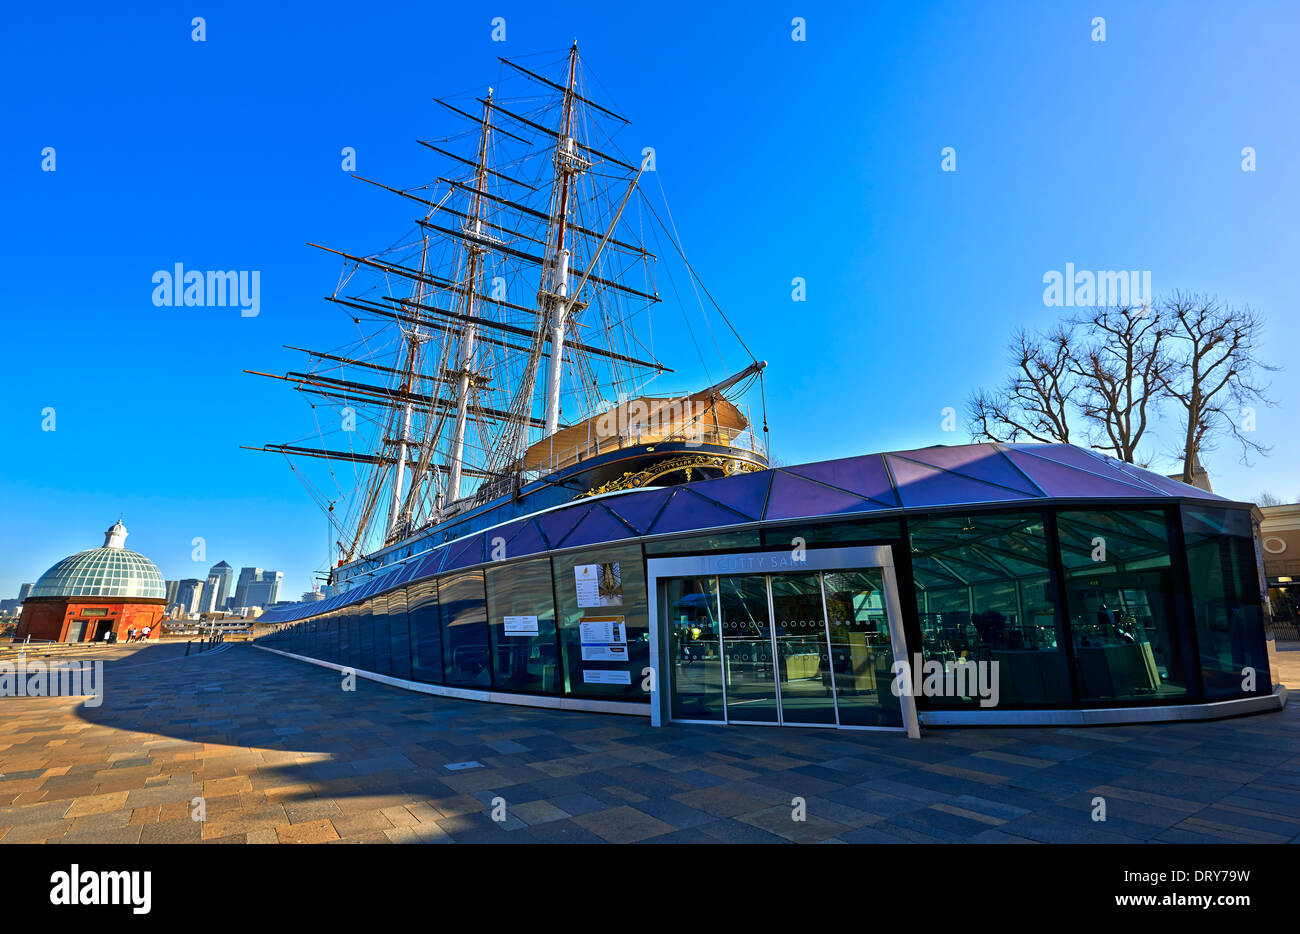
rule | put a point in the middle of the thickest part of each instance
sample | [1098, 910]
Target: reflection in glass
[607, 679]
[861, 653]
[1226, 600]
[803, 656]
[399, 637]
[983, 594]
[426, 632]
[703, 544]
[350, 618]
[871, 530]
[383, 663]
[366, 636]
[463, 612]
[1120, 599]
[689, 611]
[747, 650]
[525, 657]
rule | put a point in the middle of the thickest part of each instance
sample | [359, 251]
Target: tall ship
[529, 505]
[504, 354]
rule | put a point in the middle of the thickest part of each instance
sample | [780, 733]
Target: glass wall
[380, 633]
[1226, 601]
[983, 594]
[466, 655]
[426, 631]
[348, 643]
[703, 544]
[1147, 623]
[862, 656]
[521, 620]
[803, 666]
[604, 622]
[825, 533]
[365, 625]
[689, 609]
[399, 636]
[747, 650]
[1122, 605]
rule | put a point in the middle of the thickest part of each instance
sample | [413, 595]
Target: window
[463, 612]
[364, 623]
[1119, 596]
[703, 544]
[383, 663]
[689, 610]
[1226, 601]
[983, 594]
[858, 531]
[604, 622]
[521, 619]
[399, 634]
[426, 632]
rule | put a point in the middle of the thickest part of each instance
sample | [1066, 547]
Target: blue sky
[818, 159]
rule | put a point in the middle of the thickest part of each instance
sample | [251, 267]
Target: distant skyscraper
[189, 595]
[172, 588]
[23, 591]
[257, 587]
[274, 578]
[246, 576]
[220, 592]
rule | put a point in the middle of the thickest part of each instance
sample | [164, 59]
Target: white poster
[521, 625]
[604, 639]
[598, 584]
[606, 677]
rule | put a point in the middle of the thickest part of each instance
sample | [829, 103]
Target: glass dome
[102, 572]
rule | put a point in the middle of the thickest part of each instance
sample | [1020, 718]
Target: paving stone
[277, 752]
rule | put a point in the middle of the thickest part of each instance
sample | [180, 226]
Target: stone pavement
[279, 753]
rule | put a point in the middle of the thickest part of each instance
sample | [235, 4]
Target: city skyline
[1068, 153]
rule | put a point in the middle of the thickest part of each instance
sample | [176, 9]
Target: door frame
[770, 562]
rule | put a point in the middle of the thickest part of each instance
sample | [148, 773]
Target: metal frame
[768, 564]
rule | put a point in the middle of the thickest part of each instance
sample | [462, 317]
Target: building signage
[606, 677]
[521, 625]
[604, 639]
[598, 584]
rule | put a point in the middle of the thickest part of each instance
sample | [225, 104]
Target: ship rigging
[505, 347]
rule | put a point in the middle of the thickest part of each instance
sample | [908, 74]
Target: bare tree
[1267, 499]
[1121, 374]
[1213, 374]
[1034, 401]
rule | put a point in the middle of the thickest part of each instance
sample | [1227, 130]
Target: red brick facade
[58, 618]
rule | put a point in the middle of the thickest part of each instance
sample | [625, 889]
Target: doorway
[808, 643]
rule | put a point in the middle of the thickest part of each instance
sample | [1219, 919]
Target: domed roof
[111, 571]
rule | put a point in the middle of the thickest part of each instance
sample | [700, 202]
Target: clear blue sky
[818, 159]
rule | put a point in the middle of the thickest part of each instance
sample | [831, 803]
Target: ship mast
[413, 337]
[567, 164]
[465, 363]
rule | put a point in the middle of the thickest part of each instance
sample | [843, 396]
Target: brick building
[96, 591]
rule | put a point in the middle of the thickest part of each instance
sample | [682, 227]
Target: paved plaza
[280, 754]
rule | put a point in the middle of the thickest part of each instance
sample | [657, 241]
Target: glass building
[978, 584]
